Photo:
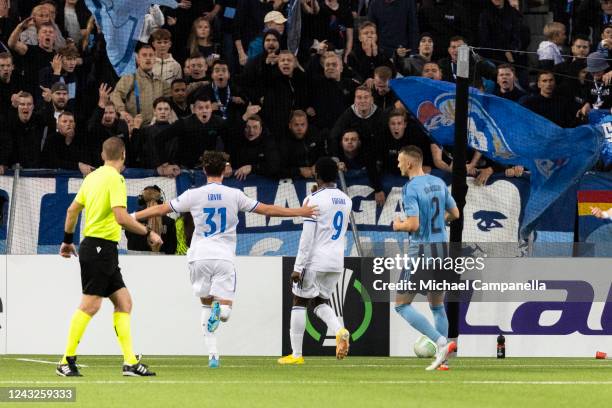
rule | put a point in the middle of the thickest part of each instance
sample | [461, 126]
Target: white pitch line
[341, 366]
[29, 360]
[313, 382]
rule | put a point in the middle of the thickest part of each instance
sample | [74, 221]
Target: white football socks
[296, 330]
[326, 313]
[210, 339]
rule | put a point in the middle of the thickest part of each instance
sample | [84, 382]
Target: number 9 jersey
[427, 197]
[214, 208]
[322, 242]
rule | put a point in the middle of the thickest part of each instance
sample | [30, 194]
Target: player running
[320, 261]
[427, 206]
[103, 195]
[215, 208]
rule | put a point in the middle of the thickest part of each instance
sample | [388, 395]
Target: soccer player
[103, 195]
[320, 261]
[427, 206]
[215, 208]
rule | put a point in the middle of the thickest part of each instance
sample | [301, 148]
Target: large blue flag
[508, 134]
[603, 118]
[121, 22]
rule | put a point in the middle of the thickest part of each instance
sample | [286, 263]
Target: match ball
[424, 347]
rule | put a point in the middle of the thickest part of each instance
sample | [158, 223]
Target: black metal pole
[459, 186]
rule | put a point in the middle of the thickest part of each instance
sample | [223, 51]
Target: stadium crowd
[218, 75]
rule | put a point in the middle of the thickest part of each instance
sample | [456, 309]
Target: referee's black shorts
[100, 272]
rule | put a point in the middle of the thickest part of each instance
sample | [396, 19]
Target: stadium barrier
[42, 291]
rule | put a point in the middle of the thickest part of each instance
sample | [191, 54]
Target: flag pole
[459, 186]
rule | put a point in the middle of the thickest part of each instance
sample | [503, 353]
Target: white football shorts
[316, 284]
[213, 277]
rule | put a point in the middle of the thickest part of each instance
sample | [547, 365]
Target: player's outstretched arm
[276, 211]
[67, 249]
[130, 224]
[153, 211]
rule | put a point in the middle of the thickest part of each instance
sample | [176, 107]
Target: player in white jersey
[215, 208]
[320, 261]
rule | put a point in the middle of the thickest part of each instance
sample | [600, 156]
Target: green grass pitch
[324, 382]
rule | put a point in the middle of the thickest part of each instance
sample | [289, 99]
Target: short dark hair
[255, 118]
[398, 113]
[6, 55]
[326, 169]
[65, 113]
[507, 66]
[202, 97]
[412, 151]
[161, 99]
[383, 72]
[142, 46]
[197, 55]
[160, 34]
[364, 88]
[298, 113]
[546, 72]
[214, 162]
[218, 62]
[178, 81]
[456, 38]
[580, 37]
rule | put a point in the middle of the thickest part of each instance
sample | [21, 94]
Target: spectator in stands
[332, 25]
[366, 56]
[251, 80]
[54, 105]
[62, 150]
[104, 123]
[9, 84]
[25, 131]
[178, 98]
[400, 133]
[351, 161]
[198, 75]
[134, 94]
[592, 15]
[228, 101]
[62, 69]
[227, 18]
[201, 41]
[143, 146]
[38, 56]
[274, 20]
[580, 50]
[285, 91]
[384, 97]
[412, 65]
[500, 28]
[478, 70]
[476, 164]
[42, 14]
[397, 24]
[367, 120]
[549, 50]
[9, 18]
[549, 104]
[165, 66]
[605, 45]
[432, 70]
[192, 135]
[249, 24]
[162, 225]
[599, 95]
[444, 19]
[331, 94]
[72, 17]
[257, 153]
[506, 83]
[302, 147]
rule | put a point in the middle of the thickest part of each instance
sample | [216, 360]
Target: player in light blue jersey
[427, 206]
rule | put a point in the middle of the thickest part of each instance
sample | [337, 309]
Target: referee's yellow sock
[78, 324]
[124, 336]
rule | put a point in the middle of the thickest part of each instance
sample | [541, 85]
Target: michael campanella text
[477, 285]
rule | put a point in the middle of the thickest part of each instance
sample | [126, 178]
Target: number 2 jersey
[427, 197]
[214, 208]
[322, 241]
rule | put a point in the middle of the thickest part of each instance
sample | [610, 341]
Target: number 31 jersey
[324, 250]
[214, 208]
[427, 197]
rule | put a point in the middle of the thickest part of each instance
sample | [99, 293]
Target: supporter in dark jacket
[192, 135]
[143, 146]
[412, 65]
[397, 24]
[506, 83]
[9, 83]
[251, 79]
[550, 104]
[499, 27]
[24, 130]
[367, 54]
[257, 153]
[444, 19]
[301, 148]
[62, 150]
